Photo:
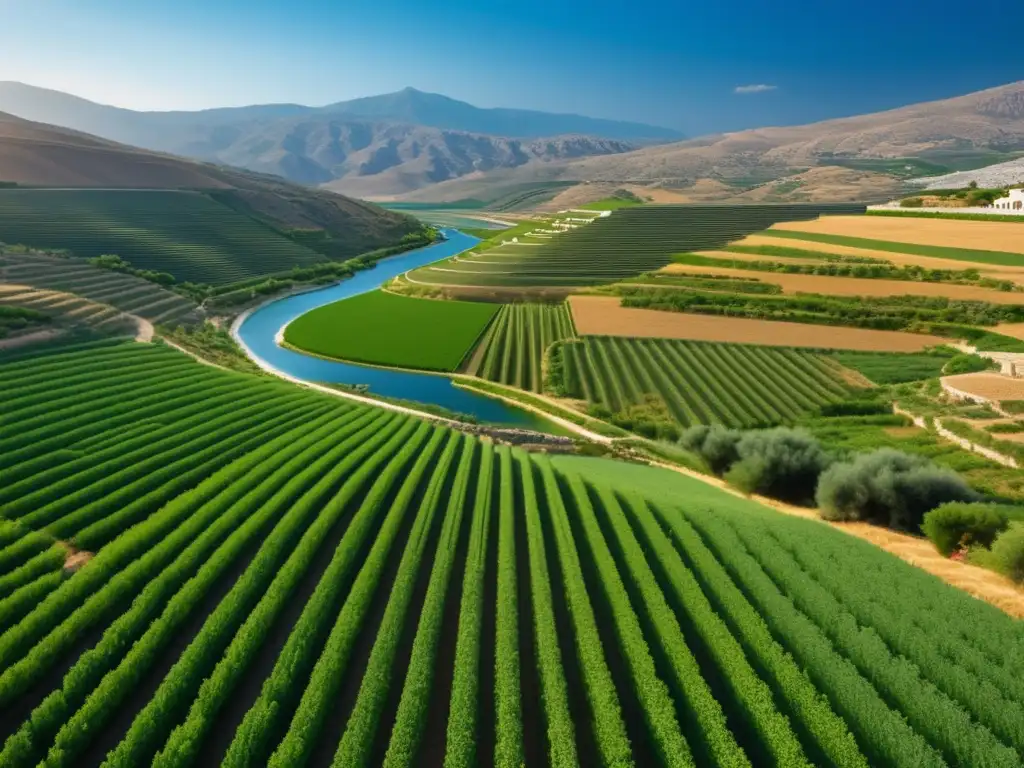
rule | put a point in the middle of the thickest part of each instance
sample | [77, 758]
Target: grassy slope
[385, 329]
[962, 254]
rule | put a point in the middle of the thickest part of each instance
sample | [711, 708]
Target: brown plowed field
[978, 235]
[996, 271]
[1016, 330]
[991, 386]
[855, 286]
[603, 316]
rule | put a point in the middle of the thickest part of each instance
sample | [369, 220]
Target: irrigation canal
[258, 333]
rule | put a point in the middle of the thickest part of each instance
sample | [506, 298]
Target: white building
[1015, 201]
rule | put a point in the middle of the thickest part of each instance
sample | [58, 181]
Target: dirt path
[603, 316]
[854, 286]
[981, 583]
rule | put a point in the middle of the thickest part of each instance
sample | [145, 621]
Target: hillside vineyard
[280, 577]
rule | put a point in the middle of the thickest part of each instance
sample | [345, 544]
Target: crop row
[512, 350]
[698, 383]
[186, 234]
[630, 241]
[346, 585]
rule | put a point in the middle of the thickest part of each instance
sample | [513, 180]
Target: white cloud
[759, 88]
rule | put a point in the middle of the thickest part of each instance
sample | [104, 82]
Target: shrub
[855, 408]
[954, 525]
[888, 487]
[782, 463]
[716, 445]
[1012, 406]
[1007, 555]
[912, 202]
[966, 364]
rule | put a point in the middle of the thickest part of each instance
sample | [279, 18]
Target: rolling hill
[876, 151]
[35, 154]
[381, 146]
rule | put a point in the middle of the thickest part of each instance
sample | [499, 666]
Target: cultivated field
[186, 234]
[275, 576]
[512, 351]
[946, 233]
[734, 385]
[632, 240]
[68, 308]
[991, 386]
[123, 292]
[852, 286]
[385, 329]
[604, 316]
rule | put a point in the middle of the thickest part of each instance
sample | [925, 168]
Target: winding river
[259, 330]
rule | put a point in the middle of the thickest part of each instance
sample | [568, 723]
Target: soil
[856, 286]
[991, 386]
[996, 271]
[603, 316]
[948, 233]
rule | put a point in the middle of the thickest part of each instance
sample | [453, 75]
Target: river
[259, 330]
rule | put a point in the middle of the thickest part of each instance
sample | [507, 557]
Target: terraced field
[512, 351]
[123, 292]
[186, 234]
[68, 308]
[630, 241]
[203, 567]
[731, 384]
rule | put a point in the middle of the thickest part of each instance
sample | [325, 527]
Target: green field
[121, 291]
[611, 204]
[648, 381]
[185, 234]
[280, 577]
[632, 240]
[937, 251]
[385, 329]
[19, 319]
[512, 351]
[893, 367]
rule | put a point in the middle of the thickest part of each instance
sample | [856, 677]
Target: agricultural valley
[576, 443]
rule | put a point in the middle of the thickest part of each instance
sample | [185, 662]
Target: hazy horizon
[700, 69]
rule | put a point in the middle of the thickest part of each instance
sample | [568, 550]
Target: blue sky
[670, 62]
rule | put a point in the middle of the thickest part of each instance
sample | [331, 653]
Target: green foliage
[14, 319]
[706, 282]
[955, 525]
[895, 367]
[185, 234]
[513, 348]
[1012, 406]
[393, 330]
[889, 488]
[716, 445]
[781, 463]
[976, 198]
[378, 577]
[911, 202]
[1007, 554]
[629, 242]
[967, 364]
[649, 385]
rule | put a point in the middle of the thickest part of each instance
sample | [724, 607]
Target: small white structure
[1015, 201]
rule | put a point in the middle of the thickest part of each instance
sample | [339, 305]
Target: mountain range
[380, 145]
[419, 147]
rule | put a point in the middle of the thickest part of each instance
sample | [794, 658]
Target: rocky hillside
[379, 146]
[1000, 175]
